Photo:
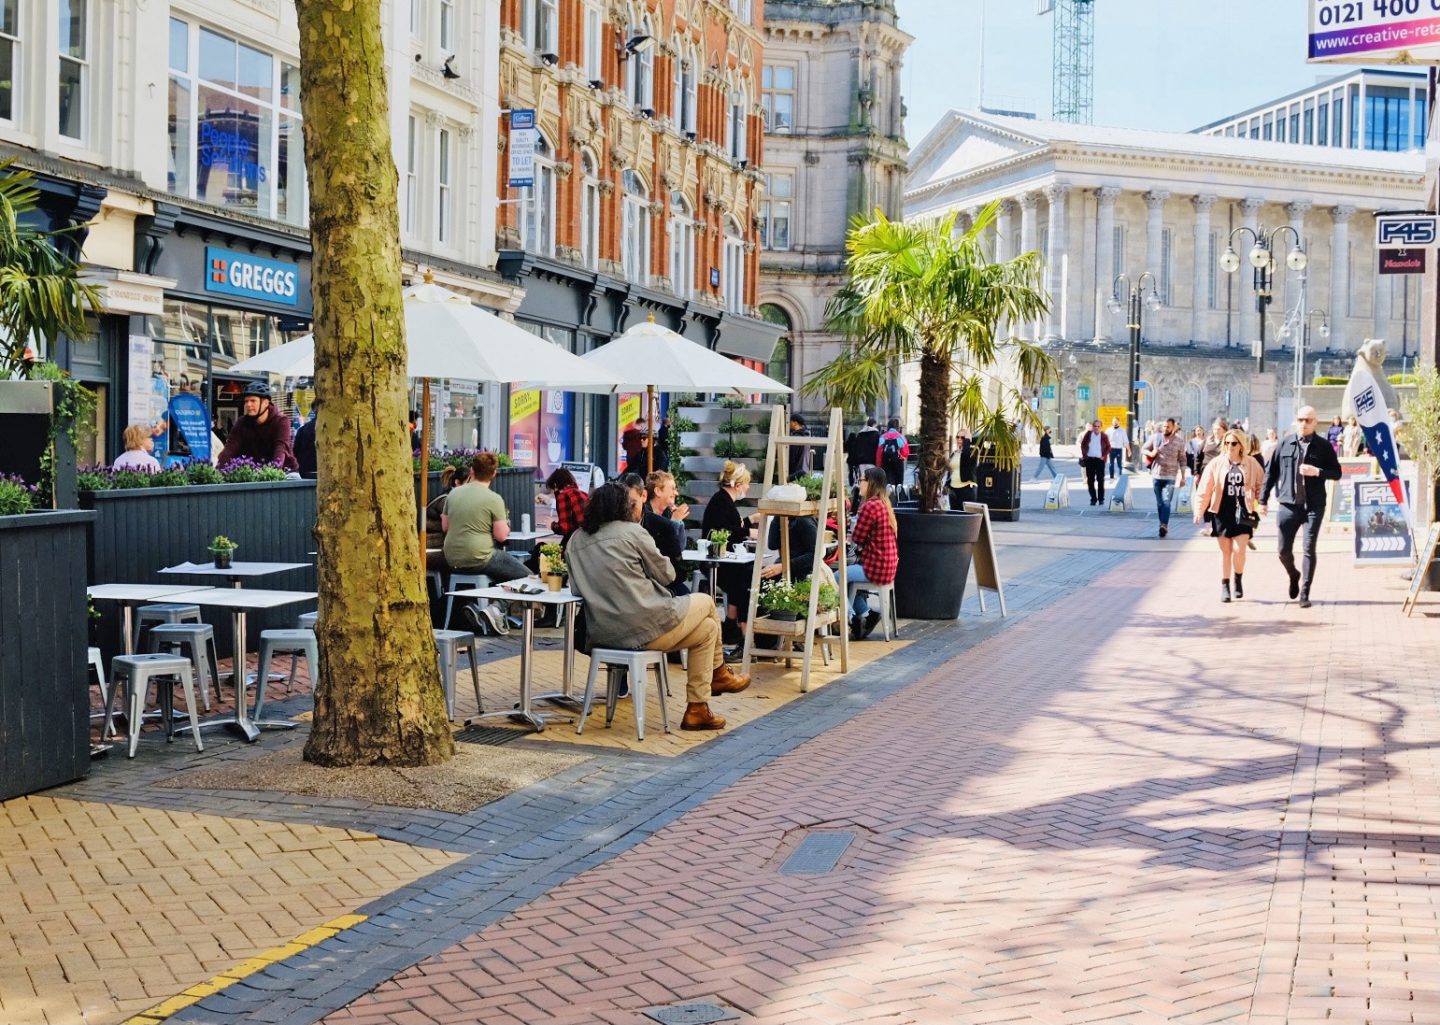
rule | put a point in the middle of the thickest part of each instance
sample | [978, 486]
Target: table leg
[127, 623]
[563, 696]
[237, 720]
[242, 711]
[523, 711]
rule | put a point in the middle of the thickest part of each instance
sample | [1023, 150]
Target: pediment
[964, 145]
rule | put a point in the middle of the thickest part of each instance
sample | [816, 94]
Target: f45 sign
[1406, 231]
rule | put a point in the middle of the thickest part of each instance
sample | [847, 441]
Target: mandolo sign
[1374, 31]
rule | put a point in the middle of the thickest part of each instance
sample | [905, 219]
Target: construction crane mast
[1073, 74]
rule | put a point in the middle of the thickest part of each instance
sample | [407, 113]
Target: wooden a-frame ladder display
[776, 462]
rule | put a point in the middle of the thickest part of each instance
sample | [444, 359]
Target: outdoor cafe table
[714, 562]
[525, 711]
[240, 601]
[236, 573]
[130, 595]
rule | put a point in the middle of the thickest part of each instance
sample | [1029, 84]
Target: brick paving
[1134, 805]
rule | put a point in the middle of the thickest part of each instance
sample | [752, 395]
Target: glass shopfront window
[234, 125]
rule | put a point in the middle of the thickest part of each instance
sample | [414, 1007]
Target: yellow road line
[199, 992]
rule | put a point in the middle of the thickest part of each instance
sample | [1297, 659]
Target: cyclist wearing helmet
[261, 434]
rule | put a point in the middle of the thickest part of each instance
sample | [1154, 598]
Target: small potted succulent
[552, 566]
[224, 551]
[719, 542]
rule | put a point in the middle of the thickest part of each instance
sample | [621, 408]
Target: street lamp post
[1137, 301]
[1262, 259]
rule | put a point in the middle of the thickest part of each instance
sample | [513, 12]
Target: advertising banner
[522, 149]
[1374, 32]
[524, 426]
[1382, 531]
[192, 421]
[1342, 496]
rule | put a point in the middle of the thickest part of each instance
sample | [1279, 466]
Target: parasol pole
[650, 419]
[424, 464]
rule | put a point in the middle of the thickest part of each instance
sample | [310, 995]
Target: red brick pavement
[1137, 805]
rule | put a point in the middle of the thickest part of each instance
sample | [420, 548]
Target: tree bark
[934, 428]
[377, 698]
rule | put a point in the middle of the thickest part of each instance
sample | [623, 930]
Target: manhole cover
[493, 736]
[817, 854]
[690, 1014]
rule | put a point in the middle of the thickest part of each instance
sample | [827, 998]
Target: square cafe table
[524, 711]
[239, 601]
[128, 596]
[714, 562]
[236, 573]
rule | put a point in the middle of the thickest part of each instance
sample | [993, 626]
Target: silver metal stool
[885, 593]
[448, 646]
[459, 580]
[307, 621]
[136, 671]
[637, 665]
[276, 642]
[162, 612]
[168, 638]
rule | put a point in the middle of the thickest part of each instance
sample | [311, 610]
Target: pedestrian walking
[1119, 448]
[1267, 447]
[1352, 439]
[1334, 433]
[862, 450]
[1193, 446]
[1228, 497]
[1166, 455]
[962, 472]
[1047, 455]
[892, 452]
[1094, 451]
[1302, 463]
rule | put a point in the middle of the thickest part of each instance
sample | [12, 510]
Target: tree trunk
[934, 427]
[377, 698]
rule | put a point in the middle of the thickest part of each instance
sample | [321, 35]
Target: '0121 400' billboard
[1374, 31]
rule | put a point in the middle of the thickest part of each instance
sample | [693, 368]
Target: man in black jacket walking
[1299, 468]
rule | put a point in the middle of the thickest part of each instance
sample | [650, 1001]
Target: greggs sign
[253, 277]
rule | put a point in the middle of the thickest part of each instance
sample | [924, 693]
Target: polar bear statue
[1373, 353]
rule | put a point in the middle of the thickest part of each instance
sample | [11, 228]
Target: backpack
[890, 449]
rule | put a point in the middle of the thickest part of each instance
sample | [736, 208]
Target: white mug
[525, 524]
[702, 546]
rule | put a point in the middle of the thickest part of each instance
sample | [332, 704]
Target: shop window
[9, 56]
[74, 66]
[234, 125]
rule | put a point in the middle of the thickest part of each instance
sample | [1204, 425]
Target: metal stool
[458, 580]
[637, 665]
[168, 637]
[307, 621]
[886, 594]
[163, 612]
[96, 661]
[276, 642]
[438, 579]
[136, 671]
[304, 622]
[448, 646]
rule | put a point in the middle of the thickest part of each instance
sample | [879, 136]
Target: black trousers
[1095, 479]
[1289, 521]
[959, 496]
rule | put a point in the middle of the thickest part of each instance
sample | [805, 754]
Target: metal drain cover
[690, 1014]
[492, 736]
[817, 854]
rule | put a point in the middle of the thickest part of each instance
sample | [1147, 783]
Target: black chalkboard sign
[1422, 570]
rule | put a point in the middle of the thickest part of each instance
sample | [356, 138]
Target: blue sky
[1164, 64]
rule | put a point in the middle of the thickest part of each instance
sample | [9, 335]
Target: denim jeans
[855, 574]
[1117, 461]
[1045, 464]
[1164, 495]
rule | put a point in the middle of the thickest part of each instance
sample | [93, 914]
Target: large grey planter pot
[935, 553]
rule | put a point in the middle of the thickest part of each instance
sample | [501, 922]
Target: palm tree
[918, 291]
[40, 294]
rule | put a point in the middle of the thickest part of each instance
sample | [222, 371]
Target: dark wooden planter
[44, 696]
[138, 531]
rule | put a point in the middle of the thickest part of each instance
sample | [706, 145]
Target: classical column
[1339, 303]
[1104, 259]
[1055, 261]
[1296, 212]
[1003, 230]
[1028, 203]
[1154, 230]
[1204, 268]
[1244, 286]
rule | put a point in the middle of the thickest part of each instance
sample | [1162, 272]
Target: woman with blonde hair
[1228, 498]
[139, 444]
[874, 535]
[721, 513]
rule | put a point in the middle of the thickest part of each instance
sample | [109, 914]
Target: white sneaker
[496, 618]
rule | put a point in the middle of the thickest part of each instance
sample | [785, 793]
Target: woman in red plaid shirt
[874, 534]
[569, 503]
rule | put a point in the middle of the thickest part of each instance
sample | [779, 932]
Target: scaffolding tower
[1074, 70]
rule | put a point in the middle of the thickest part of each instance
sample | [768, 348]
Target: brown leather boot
[698, 717]
[724, 681]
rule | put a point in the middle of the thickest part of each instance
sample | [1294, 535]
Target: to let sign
[1374, 31]
[522, 149]
[1402, 261]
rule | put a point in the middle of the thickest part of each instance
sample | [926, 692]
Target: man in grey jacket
[616, 568]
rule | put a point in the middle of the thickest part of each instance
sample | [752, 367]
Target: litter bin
[999, 489]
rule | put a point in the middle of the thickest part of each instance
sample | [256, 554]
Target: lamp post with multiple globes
[1134, 308]
[1262, 259]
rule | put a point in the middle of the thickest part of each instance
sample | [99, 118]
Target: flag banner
[1379, 431]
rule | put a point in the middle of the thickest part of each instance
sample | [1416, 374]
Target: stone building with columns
[1099, 203]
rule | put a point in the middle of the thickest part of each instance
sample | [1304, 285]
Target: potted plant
[828, 600]
[224, 551]
[720, 541]
[779, 600]
[811, 482]
[919, 292]
[552, 566]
